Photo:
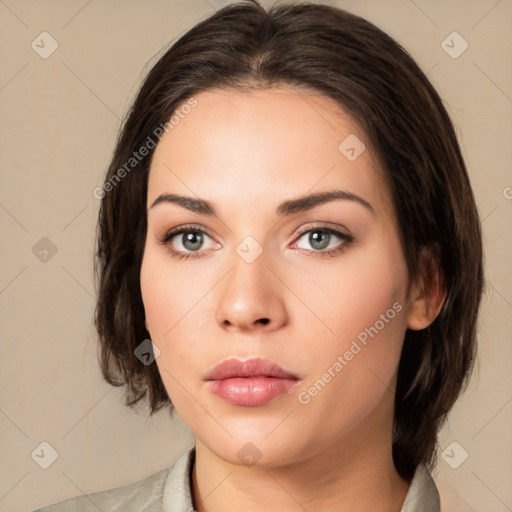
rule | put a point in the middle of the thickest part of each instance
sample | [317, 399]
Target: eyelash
[346, 241]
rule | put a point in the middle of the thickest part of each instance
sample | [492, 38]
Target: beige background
[60, 116]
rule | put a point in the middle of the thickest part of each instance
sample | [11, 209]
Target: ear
[428, 294]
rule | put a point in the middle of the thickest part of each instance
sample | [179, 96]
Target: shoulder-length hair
[374, 80]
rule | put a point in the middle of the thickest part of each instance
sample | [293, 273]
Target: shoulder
[145, 494]
[165, 489]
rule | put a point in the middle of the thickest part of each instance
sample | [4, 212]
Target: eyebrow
[289, 207]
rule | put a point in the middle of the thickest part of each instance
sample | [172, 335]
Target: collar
[422, 495]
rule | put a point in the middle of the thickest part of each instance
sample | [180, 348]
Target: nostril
[264, 321]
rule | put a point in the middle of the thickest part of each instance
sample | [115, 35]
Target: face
[318, 287]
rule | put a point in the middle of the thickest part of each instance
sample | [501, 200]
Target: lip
[254, 367]
[249, 383]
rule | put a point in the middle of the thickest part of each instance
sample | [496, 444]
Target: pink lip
[249, 383]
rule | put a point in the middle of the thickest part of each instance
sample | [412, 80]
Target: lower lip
[250, 391]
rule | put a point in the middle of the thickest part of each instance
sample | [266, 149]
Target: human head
[406, 129]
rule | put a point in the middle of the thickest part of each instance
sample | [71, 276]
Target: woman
[289, 255]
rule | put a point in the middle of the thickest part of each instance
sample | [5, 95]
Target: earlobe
[428, 295]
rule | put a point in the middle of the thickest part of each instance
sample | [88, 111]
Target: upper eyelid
[178, 230]
[316, 225]
[328, 226]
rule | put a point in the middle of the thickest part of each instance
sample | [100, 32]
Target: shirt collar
[422, 495]
[177, 491]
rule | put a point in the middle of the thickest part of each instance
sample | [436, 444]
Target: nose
[251, 298]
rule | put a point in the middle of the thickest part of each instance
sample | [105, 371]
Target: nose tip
[250, 298]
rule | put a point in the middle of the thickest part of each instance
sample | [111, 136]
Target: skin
[246, 153]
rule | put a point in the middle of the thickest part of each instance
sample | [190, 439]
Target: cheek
[168, 294]
[175, 320]
[352, 294]
[370, 293]
[362, 311]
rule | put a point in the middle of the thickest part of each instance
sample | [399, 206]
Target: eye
[191, 242]
[323, 240]
[184, 241]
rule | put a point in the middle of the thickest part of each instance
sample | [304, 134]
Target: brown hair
[373, 79]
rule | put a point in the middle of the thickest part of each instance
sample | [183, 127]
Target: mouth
[250, 383]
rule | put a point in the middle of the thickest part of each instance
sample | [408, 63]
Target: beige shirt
[169, 490]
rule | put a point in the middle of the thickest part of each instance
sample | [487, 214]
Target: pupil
[319, 239]
[193, 240]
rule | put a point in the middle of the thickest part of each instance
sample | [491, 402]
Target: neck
[353, 478]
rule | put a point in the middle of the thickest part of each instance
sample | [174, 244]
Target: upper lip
[255, 367]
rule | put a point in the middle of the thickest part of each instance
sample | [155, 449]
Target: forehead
[262, 143]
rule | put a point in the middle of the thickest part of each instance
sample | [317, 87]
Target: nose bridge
[250, 296]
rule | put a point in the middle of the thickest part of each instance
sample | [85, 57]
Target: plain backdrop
[59, 119]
